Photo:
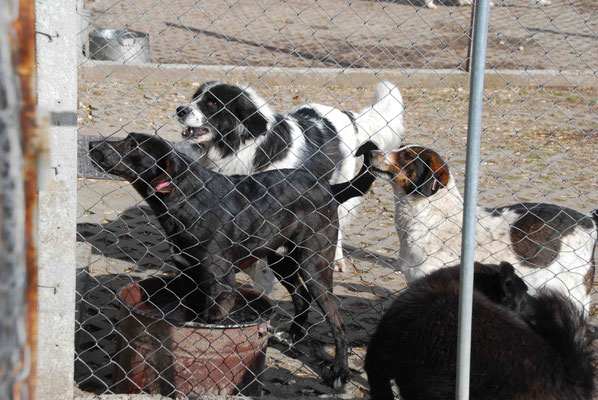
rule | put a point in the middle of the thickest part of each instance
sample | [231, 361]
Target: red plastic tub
[164, 354]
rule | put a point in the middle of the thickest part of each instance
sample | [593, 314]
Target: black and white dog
[549, 245]
[222, 224]
[241, 134]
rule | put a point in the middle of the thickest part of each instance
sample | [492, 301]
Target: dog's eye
[211, 104]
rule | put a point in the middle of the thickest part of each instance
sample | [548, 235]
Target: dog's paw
[344, 265]
[282, 337]
[336, 377]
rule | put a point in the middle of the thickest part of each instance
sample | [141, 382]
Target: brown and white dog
[549, 245]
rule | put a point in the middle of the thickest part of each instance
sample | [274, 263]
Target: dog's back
[545, 356]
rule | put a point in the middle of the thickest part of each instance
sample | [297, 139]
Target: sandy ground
[538, 144]
[358, 34]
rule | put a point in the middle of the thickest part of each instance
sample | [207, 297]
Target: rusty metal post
[23, 56]
[13, 346]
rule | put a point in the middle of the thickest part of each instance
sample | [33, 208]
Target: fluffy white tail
[382, 122]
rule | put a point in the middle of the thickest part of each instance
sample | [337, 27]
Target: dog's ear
[514, 288]
[424, 172]
[252, 111]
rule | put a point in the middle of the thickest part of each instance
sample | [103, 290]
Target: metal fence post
[476, 98]
[57, 25]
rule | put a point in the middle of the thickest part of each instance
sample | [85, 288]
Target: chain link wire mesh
[538, 145]
[14, 351]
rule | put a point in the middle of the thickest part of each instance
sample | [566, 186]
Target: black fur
[221, 223]
[560, 218]
[352, 118]
[275, 146]
[537, 351]
[362, 182]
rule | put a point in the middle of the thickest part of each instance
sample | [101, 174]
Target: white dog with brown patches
[549, 245]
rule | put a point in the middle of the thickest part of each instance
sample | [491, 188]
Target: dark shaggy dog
[532, 348]
[221, 224]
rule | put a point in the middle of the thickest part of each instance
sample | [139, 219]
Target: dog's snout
[182, 111]
[191, 132]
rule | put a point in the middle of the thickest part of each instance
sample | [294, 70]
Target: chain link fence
[177, 223]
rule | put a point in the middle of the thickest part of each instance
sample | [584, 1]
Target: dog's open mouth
[191, 132]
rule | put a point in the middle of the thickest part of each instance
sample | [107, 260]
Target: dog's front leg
[221, 307]
[346, 212]
[221, 291]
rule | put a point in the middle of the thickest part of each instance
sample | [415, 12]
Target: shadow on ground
[135, 239]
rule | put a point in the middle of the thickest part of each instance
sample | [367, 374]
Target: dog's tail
[560, 322]
[382, 122]
[362, 182]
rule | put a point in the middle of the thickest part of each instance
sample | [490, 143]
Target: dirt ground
[357, 34]
[539, 144]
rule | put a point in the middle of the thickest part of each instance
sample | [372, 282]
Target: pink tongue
[162, 185]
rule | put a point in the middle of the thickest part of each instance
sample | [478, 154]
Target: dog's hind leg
[376, 367]
[316, 273]
[380, 388]
[345, 214]
[286, 270]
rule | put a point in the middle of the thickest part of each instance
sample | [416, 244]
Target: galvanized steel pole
[476, 99]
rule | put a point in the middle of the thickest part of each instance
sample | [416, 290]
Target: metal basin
[121, 45]
[164, 354]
